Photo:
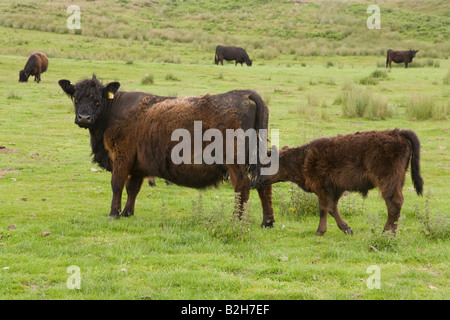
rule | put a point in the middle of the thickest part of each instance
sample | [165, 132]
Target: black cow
[37, 63]
[93, 94]
[400, 56]
[140, 145]
[230, 53]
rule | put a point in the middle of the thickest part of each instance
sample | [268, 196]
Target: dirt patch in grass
[4, 172]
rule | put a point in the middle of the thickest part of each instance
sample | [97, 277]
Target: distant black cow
[400, 56]
[37, 63]
[230, 53]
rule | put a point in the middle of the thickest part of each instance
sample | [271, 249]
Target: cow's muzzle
[83, 121]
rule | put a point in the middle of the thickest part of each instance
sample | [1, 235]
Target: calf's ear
[67, 87]
[110, 90]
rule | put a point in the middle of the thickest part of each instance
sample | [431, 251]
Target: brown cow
[37, 63]
[354, 162]
[400, 56]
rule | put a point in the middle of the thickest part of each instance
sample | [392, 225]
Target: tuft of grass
[424, 108]
[435, 225]
[446, 79]
[171, 77]
[357, 103]
[374, 77]
[13, 96]
[148, 79]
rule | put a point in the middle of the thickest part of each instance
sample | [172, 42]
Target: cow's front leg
[117, 183]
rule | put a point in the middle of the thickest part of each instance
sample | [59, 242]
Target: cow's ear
[110, 90]
[67, 87]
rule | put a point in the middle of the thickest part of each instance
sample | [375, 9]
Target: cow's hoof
[267, 224]
[127, 213]
[320, 233]
[348, 231]
[115, 215]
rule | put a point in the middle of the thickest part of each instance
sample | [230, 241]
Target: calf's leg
[328, 204]
[133, 186]
[265, 195]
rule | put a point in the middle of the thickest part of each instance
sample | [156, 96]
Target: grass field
[184, 243]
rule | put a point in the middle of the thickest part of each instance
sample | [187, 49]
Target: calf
[400, 56]
[37, 63]
[354, 162]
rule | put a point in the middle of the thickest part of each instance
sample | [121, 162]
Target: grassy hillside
[312, 66]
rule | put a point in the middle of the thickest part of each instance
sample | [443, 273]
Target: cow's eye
[98, 103]
[76, 101]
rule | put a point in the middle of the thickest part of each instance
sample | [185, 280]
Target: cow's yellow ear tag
[110, 95]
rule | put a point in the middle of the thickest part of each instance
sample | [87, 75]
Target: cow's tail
[261, 123]
[387, 57]
[415, 159]
[216, 58]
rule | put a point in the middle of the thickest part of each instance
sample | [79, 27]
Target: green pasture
[185, 243]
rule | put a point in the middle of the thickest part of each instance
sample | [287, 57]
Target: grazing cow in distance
[141, 144]
[90, 93]
[354, 162]
[400, 56]
[230, 53]
[37, 63]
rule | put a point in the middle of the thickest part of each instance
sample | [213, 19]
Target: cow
[140, 145]
[400, 56]
[37, 63]
[353, 162]
[230, 53]
[92, 91]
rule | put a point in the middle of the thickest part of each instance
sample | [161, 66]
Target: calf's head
[90, 98]
[23, 76]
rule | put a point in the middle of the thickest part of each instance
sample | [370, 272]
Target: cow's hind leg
[241, 185]
[118, 180]
[133, 186]
[394, 206]
[265, 194]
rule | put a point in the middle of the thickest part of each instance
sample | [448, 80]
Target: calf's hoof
[348, 231]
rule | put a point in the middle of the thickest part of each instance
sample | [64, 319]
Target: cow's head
[249, 62]
[23, 76]
[90, 98]
[412, 53]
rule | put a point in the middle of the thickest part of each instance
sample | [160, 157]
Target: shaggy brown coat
[37, 63]
[141, 146]
[354, 162]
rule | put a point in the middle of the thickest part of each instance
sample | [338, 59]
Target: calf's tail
[415, 159]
